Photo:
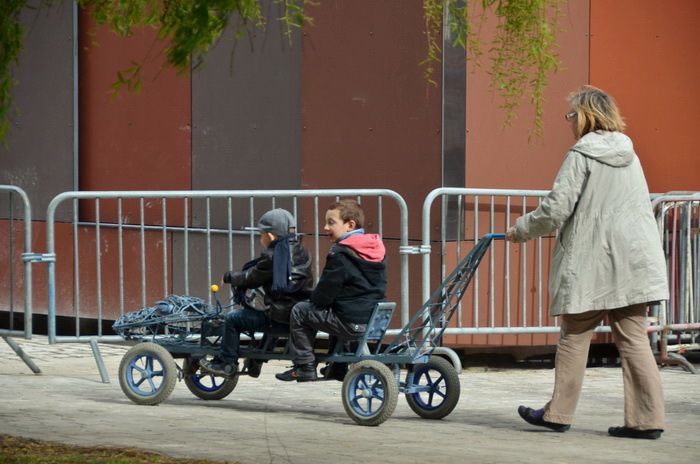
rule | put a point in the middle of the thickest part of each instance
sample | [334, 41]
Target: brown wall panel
[38, 152]
[369, 118]
[645, 54]
[499, 157]
[131, 141]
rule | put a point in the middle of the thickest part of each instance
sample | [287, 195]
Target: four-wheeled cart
[188, 329]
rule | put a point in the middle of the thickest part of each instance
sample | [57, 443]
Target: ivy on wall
[522, 52]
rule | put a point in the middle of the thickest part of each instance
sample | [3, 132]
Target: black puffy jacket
[260, 275]
[350, 285]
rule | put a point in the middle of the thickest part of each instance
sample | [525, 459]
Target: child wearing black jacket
[267, 287]
[353, 281]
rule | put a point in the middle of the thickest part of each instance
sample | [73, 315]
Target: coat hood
[367, 246]
[611, 148]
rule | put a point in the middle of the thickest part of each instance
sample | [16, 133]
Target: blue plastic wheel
[147, 374]
[437, 385]
[204, 385]
[370, 393]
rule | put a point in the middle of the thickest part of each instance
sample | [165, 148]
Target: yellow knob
[214, 288]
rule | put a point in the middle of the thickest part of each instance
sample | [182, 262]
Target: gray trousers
[306, 320]
[644, 401]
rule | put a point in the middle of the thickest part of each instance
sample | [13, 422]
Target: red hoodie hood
[367, 246]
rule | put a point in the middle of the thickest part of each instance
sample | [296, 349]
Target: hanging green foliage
[11, 34]
[522, 53]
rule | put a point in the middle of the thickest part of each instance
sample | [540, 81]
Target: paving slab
[267, 421]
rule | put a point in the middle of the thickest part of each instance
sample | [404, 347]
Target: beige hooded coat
[608, 253]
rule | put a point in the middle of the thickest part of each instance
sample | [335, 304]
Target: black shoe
[534, 417]
[626, 432]
[301, 373]
[253, 366]
[219, 367]
[334, 371]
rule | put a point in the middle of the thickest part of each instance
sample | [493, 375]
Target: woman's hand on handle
[510, 235]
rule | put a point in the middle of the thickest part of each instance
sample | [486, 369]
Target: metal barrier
[27, 284]
[678, 216]
[186, 234]
[520, 306]
[493, 210]
[26, 258]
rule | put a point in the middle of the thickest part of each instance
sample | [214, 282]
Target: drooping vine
[11, 35]
[522, 53]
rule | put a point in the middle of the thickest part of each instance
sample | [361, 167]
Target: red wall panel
[132, 141]
[645, 53]
[503, 157]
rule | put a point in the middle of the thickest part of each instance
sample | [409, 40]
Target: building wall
[37, 154]
[645, 53]
[345, 105]
[642, 52]
[131, 141]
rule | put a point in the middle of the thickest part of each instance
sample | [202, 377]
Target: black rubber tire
[447, 387]
[137, 361]
[192, 373]
[384, 383]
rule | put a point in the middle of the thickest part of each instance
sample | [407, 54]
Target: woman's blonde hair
[595, 110]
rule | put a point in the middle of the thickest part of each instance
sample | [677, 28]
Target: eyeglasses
[570, 116]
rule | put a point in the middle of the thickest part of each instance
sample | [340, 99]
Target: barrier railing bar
[492, 257]
[165, 247]
[539, 276]
[380, 215]
[230, 240]
[208, 235]
[317, 265]
[459, 224]
[507, 273]
[523, 270]
[11, 260]
[120, 245]
[251, 209]
[475, 279]
[98, 261]
[187, 248]
[76, 265]
[14, 190]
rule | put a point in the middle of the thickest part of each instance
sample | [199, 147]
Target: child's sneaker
[301, 373]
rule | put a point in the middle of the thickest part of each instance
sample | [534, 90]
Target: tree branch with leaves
[522, 52]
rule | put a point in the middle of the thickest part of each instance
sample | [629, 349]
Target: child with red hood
[352, 283]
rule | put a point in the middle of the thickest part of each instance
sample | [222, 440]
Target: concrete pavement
[267, 421]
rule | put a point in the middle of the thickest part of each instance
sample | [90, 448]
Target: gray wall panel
[38, 154]
[246, 113]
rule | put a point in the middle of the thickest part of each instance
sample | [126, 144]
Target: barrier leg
[663, 357]
[24, 356]
[98, 359]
